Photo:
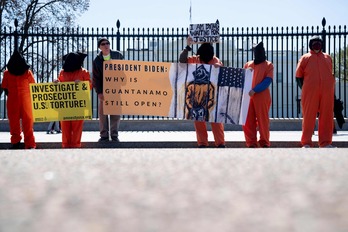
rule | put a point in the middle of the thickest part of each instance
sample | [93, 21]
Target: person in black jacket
[338, 108]
[105, 54]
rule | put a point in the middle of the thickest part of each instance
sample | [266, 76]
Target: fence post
[323, 34]
[15, 34]
[217, 53]
[118, 36]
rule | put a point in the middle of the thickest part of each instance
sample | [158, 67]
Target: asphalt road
[174, 190]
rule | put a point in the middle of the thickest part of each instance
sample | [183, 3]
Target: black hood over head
[313, 39]
[17, 64]
[206, 52]
[73, 61]
[259, 53]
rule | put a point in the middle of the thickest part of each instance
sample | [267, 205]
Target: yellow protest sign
[63, 101]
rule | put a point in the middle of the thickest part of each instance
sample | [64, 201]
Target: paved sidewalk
[174, 190]
[168, 139]
[173, 136]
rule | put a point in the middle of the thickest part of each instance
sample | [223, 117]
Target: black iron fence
[43, 48]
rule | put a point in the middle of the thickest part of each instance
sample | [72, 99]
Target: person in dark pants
[53, 127]
[105, 54]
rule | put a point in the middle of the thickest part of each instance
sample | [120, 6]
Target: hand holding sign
[189, 41]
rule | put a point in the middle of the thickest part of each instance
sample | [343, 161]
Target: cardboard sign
[205, 32]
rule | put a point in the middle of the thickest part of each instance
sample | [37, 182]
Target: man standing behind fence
[105, 54]
[314, 76]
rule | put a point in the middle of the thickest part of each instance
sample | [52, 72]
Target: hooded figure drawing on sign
[199, 95]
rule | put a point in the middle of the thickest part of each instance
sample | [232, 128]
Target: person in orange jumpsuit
[260, 99]
[205, 55]
[15, 83]
[314, 76]
[73, 71]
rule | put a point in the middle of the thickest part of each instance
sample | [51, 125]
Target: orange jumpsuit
[200, 126]
[259, 106]
[72, 130]
[317, 93]
[19, 107]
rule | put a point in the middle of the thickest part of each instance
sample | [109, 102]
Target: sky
[230, 13]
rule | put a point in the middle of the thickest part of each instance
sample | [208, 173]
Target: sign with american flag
[179, 90]
[230, 83]
[203, 92]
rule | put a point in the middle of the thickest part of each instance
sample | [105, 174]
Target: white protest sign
[205, 32]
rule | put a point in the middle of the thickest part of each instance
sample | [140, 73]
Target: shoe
[16, 146]
[306, 146]
[221, 146]
[59, 131]
[329, 146]
[103, 140]
[252, 146]
[202, 146]
[115, 139]
[48, 132]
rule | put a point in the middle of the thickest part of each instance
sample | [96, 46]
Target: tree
[36, 14]
[41, 13]
[3, 3]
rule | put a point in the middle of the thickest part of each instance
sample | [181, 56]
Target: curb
[276, 124]
[162, 145]
[281, 124]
